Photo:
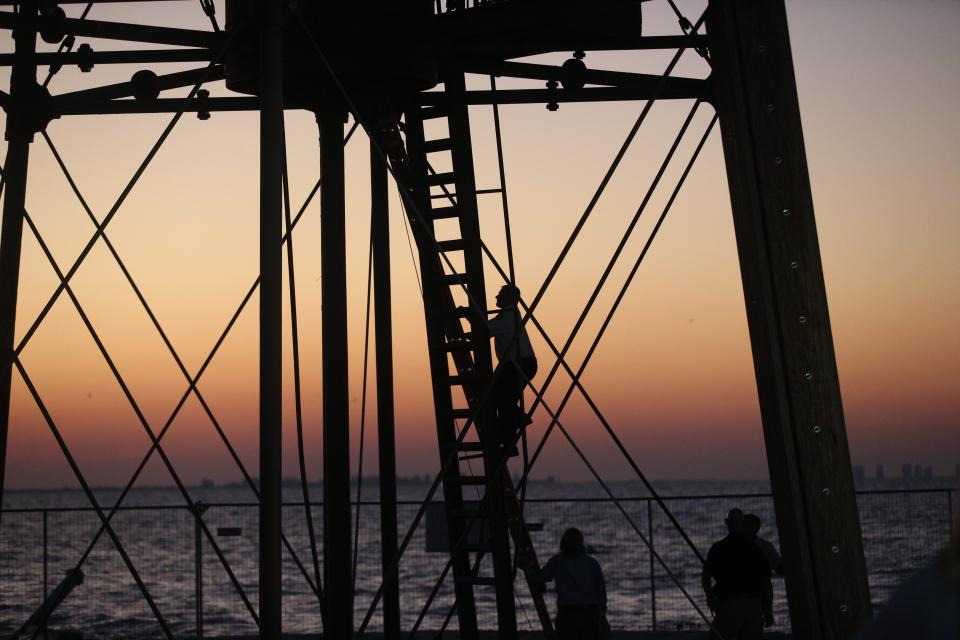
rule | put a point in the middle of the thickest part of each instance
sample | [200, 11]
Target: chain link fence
[188, 582]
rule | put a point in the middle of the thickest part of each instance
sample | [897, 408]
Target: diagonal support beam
[144, 56]
[192, 388]
[210, 73]
[112, 213]
[621, 79]
[191, 381]
[85, 486]
[139, 413]
[129, 32]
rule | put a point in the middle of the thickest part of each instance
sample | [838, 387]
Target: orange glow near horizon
[674, 372]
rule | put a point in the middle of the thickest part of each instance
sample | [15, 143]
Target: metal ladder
[461, 364]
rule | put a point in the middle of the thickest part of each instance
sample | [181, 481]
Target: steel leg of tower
[337, 570]
[788, 319]
[383, 338]
[19, 136]
[271, 282]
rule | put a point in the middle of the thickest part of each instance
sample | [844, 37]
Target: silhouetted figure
[752, 526]
[581, 591]
[926, 605]
[519, 364]
[734, 578]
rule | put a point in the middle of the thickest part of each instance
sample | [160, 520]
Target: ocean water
[43, 535]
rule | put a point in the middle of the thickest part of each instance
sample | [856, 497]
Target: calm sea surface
[44, 534]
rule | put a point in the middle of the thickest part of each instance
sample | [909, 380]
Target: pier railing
[902, 529]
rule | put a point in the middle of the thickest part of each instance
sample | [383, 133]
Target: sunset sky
[878, 87]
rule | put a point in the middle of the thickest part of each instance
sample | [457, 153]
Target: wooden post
[789, 324]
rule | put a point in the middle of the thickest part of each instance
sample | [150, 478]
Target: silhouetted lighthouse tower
[396, 67]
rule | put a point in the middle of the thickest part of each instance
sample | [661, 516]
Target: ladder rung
[451, 245]
[459, 380]
[436, 111]
[451, 279]
[440, 144]
[459, 413]
[478, 580]
[444, 213]
[450, 347]
[458, 312]
[470, 456]
[437, 179]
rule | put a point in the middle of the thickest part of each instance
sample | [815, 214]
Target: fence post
[949, 512]
[198, 566]
[653, 577]
[45, 567]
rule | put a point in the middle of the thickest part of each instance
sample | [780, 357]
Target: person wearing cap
[519, 365]
[734, 580]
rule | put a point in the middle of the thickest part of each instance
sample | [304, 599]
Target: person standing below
[734, 579]
[581, 591]
[519, 365]
[752, 526]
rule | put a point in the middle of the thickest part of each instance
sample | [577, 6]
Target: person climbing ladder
[519, 365]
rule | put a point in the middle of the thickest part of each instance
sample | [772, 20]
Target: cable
[413, 260]
[593, 346]
[363, 407]
[593, 297]
[297, 396]
[512, 281]
[210, 10]
[686, 27]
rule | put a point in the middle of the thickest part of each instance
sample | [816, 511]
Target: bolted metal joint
[28, 115]
[85, 57]
[203, 101]
[552, 87]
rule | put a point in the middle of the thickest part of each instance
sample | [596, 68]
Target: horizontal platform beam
[245, 103]
[129, 32]
[700, 91]
[143, 56]
[64, 101]
[583, 43]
